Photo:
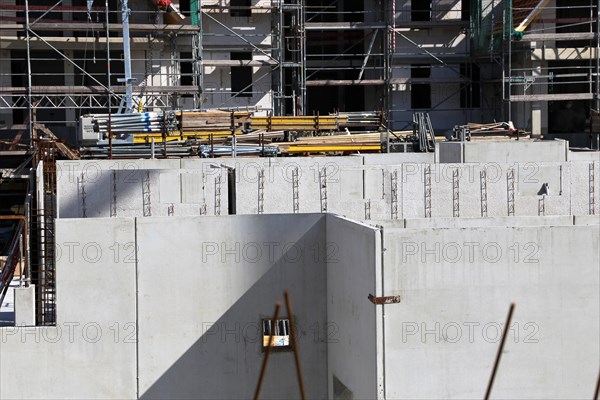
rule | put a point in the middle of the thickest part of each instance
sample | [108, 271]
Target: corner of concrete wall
[352, 269]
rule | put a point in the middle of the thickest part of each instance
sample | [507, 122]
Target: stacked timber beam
[363, 142]
[191, 122]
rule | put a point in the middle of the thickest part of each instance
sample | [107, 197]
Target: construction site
[299, 199]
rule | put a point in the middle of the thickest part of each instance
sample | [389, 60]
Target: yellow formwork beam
[147, 137]
[331, 148]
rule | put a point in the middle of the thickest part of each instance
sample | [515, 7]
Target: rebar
[483, 192]
[427, 189]
[394, 195]
[456, 193]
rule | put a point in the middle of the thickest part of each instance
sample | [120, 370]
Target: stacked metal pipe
[129, 123]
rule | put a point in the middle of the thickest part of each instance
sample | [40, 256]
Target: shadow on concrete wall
[225, 360]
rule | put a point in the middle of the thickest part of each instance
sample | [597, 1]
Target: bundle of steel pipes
[130, 123]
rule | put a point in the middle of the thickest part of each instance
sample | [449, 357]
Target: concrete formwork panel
[513, 151]
[413, 189]
[91, 352]
[585, 176]
[225, 279]
[442, 196]
[456, 286]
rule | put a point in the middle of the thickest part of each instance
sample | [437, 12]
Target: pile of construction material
[494, 129]
[215, 122]
[223, 133]
[360, 142]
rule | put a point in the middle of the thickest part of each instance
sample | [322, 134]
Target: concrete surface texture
[172, 307]
[163, 307]
[456, 286]
[393, 186]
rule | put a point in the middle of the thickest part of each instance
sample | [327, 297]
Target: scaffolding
[292, 58]
[72, 63]
[548, 53]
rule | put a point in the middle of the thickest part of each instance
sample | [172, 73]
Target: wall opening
[246, 11]
[465, 10]
[421, 10]
[281, 334]
[420, 91]
[241, 77]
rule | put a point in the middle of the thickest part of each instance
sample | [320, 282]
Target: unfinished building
[462, 61]
[126, 277]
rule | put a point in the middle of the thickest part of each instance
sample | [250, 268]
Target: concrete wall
[173, 307]
[91, 352]
[456, 286]
[504, 151]
[214, 293]
[356, 187]
[354, 329]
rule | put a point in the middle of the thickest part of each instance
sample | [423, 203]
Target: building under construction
[191, 203]
[531, 62]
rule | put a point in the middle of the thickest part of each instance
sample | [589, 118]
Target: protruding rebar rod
[263, 368]
[499, 354]
[294, 343]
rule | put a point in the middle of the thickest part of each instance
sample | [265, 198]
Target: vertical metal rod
[263, 367]
[499, 354]
[125, 11]
[293, 339]
[108, 87]
[598, 56]
[29, 105]
[21, 265]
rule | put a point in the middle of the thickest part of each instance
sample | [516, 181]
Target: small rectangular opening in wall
[281, 334]
[243, 11]
[187, 69]
[241, 77]
[420, 93]
[421, 10]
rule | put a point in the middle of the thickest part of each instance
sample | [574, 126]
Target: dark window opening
[280, 332]
[187, 69]
[421, 10]
[184, 7]
[470, 91]
[465, 10]
[240, 8]
[241, 77]
[420, 93]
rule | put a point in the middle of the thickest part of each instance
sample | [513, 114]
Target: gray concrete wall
[512, 151]
[172, 307]
[353, 189]
[456, 286]
[354, 262]
[505, 152]
[91, 352]
[205, 285]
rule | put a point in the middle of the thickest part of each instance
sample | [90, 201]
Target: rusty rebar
[263, 367]
[499, 354]
[294, 342]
